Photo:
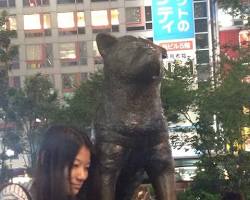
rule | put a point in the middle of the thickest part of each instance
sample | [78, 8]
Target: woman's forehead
[83, 154]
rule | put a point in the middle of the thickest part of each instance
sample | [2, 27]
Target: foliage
[235, 8]
[5, 173]
[7, 51]
[177, 92]
[81, 108]
[199, 195]
[224, 165]
[12, 140]
[210, 177]
[31, 109]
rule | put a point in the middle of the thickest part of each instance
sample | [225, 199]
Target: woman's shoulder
[15, 191]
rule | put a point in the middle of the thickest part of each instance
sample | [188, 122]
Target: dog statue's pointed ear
[105, 41]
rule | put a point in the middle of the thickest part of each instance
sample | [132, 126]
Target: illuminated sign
[181, 50]
[172, 19]
[178, 45]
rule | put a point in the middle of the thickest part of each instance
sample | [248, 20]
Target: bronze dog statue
[131, 131]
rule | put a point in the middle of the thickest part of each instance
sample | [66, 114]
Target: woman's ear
[104, 42]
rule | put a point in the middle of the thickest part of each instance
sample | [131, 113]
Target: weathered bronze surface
[131, 131]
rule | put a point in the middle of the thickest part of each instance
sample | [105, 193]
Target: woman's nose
[82, 174]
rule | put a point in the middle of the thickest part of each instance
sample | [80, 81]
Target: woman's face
[79, 171]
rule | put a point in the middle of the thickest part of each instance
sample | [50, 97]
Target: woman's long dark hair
[55, 160]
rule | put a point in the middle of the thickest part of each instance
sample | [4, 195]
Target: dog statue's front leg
[111, 159]
[161, 171]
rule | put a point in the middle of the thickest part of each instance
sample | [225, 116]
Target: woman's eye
[87, 167]
[75, 165]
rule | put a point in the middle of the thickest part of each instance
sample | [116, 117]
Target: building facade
[57, 37]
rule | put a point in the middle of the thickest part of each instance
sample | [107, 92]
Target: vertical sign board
[172, 19]
[173, 26]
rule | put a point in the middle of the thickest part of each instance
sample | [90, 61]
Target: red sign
[176, 46]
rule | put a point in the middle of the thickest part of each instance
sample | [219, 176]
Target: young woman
[63, 164]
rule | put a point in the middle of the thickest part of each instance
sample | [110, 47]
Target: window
[71, 23]
[201, 41]
[69, 1]
[200, 15]
[14, 81]
[201, 25]
[134, 18]
[133, 15]
[70, 82]
[202, 56]
[7, 3]
[105, 20]
[73, 53]
[34, 3]
[203, 72]
[39, 56]
[148, 17]
[200, 9]
[11, 25]
[37, 25]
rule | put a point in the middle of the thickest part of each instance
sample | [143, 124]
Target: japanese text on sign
[179, 45]
[172, 19]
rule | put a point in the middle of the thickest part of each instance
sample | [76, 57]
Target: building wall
[134, 17]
